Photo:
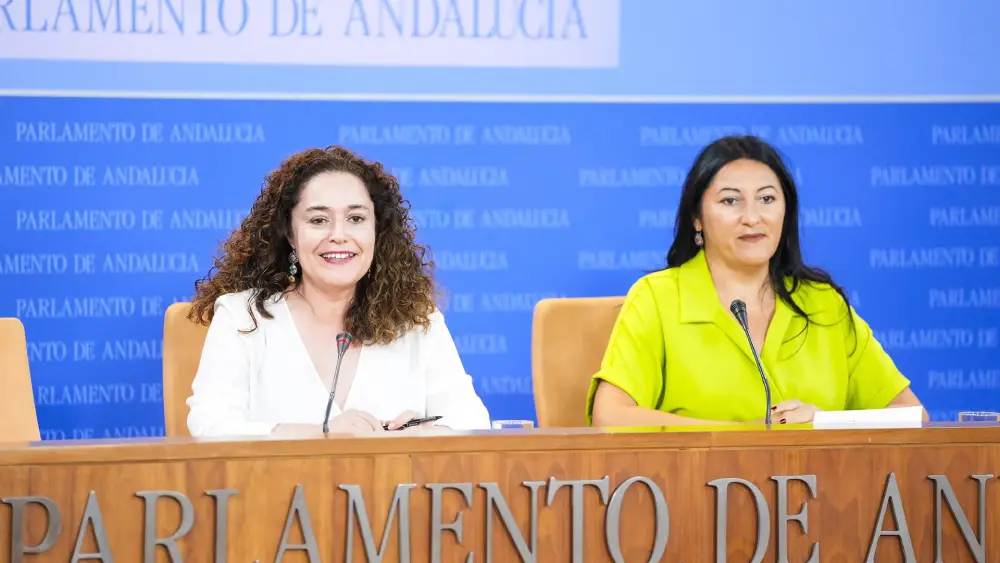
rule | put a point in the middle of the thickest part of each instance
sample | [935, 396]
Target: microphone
[739, 309]
[343, 343]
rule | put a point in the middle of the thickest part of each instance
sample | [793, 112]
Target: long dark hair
[786, 263]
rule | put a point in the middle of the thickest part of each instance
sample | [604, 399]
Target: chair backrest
[183, 341]
[18, 418]
[568, 340]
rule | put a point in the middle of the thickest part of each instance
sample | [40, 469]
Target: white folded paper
[901, 417]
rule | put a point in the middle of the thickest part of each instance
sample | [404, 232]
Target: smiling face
[333, 231]
[742, 214]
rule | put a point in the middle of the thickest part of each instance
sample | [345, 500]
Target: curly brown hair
[396, 295]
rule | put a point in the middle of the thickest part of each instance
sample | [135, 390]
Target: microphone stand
[739, 310]
[343, 343]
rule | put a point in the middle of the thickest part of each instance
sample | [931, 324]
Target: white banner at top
[415, 33]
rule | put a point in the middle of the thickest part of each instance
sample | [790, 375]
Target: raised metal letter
[722, 518]
[53, 527]
[892, 496]
[802, 517]
[494, 498]
[661, 519]
[356, 507]
[942, 487]
[301, 510]
[150, 540]
[437, 526]
[576, 486]
[221, 521]
[92, 514]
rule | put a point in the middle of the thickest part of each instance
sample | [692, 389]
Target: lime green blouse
[676, 348]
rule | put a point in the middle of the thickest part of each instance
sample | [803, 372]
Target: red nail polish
[774, 408]
[782, 420]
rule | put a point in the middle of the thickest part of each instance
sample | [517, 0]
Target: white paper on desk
[901, 417]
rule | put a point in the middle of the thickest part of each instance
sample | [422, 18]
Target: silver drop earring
[698, 239]
[293, 266]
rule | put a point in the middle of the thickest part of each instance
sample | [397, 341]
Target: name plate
[900, 417]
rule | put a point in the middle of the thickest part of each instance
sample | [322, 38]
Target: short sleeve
[635, 357]
[220, 404]
[873, 379]
[450, 392]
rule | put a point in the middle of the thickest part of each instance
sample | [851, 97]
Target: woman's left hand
[400, 419]
[404, 417]
[793, 411]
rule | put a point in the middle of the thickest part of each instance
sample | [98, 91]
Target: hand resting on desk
[357, 422]
[397, 424]
[793, 411]
[350, 421]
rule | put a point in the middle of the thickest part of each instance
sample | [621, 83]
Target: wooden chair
[568, 340]
[183, 341]
[18, 418]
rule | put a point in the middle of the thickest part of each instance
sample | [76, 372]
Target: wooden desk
[241, 498]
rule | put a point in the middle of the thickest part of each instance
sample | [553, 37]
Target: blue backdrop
[125, 158]
[108, 221]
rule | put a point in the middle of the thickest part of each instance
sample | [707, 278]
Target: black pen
[415, 422]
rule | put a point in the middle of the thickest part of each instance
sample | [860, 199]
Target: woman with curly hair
[327, 248]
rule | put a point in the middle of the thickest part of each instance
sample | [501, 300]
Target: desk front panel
[588, 498]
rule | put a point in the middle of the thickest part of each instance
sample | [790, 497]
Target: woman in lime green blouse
[677, 356]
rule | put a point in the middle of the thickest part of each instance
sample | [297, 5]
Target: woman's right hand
[356, 422]
[348, 422]
[792, 411]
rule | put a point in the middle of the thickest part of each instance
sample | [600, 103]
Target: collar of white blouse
[340, 404]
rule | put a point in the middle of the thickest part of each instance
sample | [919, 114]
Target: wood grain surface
[851, 469]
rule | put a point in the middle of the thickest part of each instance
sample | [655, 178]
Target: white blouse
[247, 383]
